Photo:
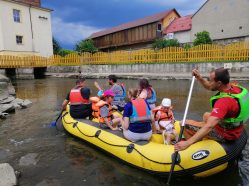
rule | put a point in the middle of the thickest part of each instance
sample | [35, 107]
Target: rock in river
[29, 159]
[8, 177]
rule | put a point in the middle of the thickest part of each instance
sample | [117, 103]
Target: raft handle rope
[96, 135]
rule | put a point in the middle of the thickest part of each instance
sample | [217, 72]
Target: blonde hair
[133, 93]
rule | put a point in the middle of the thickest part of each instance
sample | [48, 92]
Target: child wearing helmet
[164, 117]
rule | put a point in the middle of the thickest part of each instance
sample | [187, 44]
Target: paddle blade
[53, 124]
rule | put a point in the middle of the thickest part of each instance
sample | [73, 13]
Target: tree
[86, 46]
[202, 38]
[64, 52]
[163, 43]
[56, 46]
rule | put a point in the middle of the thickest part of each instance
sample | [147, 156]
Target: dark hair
[144, 84]
[113, 78]
[222, 74]
[78, 81]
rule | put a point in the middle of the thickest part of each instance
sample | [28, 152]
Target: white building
[25, 28]
[226, 20]
[179, 29]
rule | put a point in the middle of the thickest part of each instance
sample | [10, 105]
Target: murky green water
[64, 160]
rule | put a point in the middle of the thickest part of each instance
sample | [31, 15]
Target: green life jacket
[243, 100]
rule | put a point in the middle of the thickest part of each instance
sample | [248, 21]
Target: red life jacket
[75, 97]
[140, 111]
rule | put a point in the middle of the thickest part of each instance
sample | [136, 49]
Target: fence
[201, 53]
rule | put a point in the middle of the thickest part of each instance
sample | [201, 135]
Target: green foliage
[64, 52]
[173, 43]
[163, 43]
[56, 46]
[86, 46]
[202, 38]
[187, 46]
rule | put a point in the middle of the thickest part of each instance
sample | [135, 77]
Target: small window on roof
[159, 27]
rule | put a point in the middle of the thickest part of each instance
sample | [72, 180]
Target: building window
[159, 27]
[19, 40]
[16, 15]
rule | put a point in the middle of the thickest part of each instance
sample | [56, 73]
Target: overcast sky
[74, 20]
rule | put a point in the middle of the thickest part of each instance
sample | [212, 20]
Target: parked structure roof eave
[25, 4]
[200, 8]
[108, 31]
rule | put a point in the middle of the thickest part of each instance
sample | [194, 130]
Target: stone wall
[169, 68]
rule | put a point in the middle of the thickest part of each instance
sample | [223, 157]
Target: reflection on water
[64, 160]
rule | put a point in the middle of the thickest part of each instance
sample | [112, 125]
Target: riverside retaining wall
[155, 70]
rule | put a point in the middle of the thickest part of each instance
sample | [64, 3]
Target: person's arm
[205, 83]
[97, 85]
[143, 94]
[109, 125]
[126, 123]
[211, 123]
[64, 104]
[153, 125]
[157, 116]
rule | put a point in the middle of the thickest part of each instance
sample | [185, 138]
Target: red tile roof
[139, 22]
[179, 24]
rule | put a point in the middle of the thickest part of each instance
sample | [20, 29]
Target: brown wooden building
[137, 34]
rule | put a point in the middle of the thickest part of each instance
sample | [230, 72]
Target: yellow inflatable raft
[202, 159]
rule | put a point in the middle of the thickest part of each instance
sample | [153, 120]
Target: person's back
[147, 92]
[80, 105]
[119, 90]
[138, 120]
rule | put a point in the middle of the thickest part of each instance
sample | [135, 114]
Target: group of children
[163, 116]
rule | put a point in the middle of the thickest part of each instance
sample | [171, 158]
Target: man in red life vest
[80, 105]
[230, 111]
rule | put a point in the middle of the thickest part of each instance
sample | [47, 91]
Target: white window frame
[17, 15]
[19, 40]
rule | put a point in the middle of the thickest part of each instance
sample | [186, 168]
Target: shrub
[163, 43]
[202, 38]
[86, 46]
[64, 52]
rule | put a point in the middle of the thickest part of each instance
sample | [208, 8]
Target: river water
[63, 160]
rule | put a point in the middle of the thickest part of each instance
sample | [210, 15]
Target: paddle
[53, 124]
[182, 129]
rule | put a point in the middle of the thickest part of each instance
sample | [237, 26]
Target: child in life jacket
[105, 115]
[164, 117]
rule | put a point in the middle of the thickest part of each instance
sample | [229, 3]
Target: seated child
[104, 111]
[165, 119]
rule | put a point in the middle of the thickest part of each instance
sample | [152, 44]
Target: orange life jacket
[75, 97]
[95, 109]
[100, 104]
[164, 116]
